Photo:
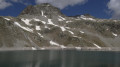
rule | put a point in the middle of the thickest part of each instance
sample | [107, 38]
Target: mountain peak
[42, 26]
[45, 4]
[88, 15]
[47, 8]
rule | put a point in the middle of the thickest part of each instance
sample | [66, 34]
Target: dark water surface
[59, 58]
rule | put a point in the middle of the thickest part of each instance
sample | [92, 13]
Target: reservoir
[59, 58]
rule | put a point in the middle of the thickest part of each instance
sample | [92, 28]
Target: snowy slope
[42, 26]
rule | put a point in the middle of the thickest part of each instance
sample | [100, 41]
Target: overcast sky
[98, 8]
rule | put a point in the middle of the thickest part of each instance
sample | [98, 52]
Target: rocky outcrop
[44, 25]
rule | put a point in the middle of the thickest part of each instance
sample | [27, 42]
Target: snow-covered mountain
[44, 25]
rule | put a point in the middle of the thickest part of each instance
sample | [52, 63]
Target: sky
[105, 9]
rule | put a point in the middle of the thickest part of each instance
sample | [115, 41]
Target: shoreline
[67, 48]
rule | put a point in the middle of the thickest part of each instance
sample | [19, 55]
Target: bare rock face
[37, 10]
[42, 26]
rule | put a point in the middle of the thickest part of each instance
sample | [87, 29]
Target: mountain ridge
[45, 8]
[44, 25]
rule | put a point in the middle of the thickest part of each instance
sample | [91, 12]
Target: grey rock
[45, 26]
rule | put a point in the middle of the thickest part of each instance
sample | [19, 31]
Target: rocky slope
[45, 26]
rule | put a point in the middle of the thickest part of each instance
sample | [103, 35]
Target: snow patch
[68, 21]
[71, 32]
[7, 19]
[82, 32]
[67, 27]
[97, 46]
[26, 21]
[40, 35]
[62, 46]
[62, 18]
[78, 19]
[50, 22]
[38, 28]
[90, 19]
[115, 20]
[40, 20]
[25, 28]
[43, 22]
[45, 16]
[36, 19]
[78, 48]
[54, 43]
[85, 18]
[63, 29]
[77, 37]
[33, 48]
[47, 27]
[42, 13]
[107, 29]
[115, 34]
[42, 48]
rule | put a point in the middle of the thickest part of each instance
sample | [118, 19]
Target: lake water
[59, 58]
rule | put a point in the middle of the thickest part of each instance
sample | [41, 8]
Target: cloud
[114, 6]
[4, 4]
[15, 0]
[61, 3]
[58, 3]
[25, 2]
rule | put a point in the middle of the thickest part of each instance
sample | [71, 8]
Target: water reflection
[59, 58]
